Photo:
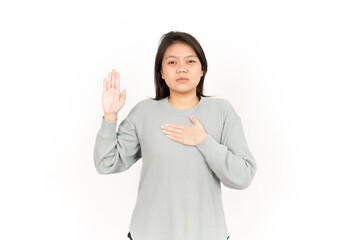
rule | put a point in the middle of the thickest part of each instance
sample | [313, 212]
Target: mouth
[182, 79]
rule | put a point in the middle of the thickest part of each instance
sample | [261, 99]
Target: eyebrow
[172, 56]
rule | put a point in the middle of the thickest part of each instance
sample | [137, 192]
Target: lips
[182, 79]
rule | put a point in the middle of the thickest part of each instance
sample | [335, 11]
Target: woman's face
[180, 60]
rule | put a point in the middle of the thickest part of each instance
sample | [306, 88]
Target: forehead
[179, 49]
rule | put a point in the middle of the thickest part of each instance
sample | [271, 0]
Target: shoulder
[146, 104]
[225, 107]
[220, 103]
[140, 104]
[142, 107]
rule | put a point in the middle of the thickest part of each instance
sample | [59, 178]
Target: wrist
[112, 117]
[202, 137]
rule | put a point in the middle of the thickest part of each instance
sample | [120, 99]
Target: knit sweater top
[179, 191]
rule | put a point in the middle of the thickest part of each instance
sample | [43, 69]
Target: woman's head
[179, 55]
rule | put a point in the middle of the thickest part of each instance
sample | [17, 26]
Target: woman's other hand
[188, 135]
[112, 99]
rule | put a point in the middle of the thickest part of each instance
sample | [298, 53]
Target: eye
[174, 62]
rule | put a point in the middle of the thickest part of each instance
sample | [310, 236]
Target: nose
[181, 68]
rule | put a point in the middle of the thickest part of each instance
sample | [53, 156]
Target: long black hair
[166, 40]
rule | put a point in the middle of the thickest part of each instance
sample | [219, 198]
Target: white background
[289, 68]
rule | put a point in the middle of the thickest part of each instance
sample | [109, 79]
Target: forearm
[235, 170]
[104, 149]
[115, 152]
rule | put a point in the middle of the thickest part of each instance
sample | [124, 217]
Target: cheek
[199, 68]
[165, 70]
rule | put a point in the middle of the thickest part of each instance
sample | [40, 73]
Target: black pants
[129, 235]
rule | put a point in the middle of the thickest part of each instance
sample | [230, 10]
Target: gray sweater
[179, 192]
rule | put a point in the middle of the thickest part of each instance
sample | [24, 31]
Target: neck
[183, 102]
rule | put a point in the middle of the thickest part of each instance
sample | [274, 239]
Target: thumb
[194, 120]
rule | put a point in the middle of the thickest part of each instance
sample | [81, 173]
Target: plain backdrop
[289, 68]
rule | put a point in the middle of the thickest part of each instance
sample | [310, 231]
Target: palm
[112, 99]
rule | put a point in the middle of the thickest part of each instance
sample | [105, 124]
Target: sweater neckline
[172, 109]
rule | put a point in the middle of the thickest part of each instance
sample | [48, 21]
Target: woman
[188, 142]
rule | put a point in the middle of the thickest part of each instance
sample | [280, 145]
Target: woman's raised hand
[112, 99]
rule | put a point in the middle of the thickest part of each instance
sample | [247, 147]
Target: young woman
[189, 144]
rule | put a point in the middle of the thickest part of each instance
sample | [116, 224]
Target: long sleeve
[115, 151]
[232, 161]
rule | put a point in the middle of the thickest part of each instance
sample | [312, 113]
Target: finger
[104, 85]
[113, 78]
[175, 138]
[108, 81]
[174, 134]
[175, 130]
[123, 94]
[117, 82]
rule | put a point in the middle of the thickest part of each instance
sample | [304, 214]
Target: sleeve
[231, 161]
[116, 151]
